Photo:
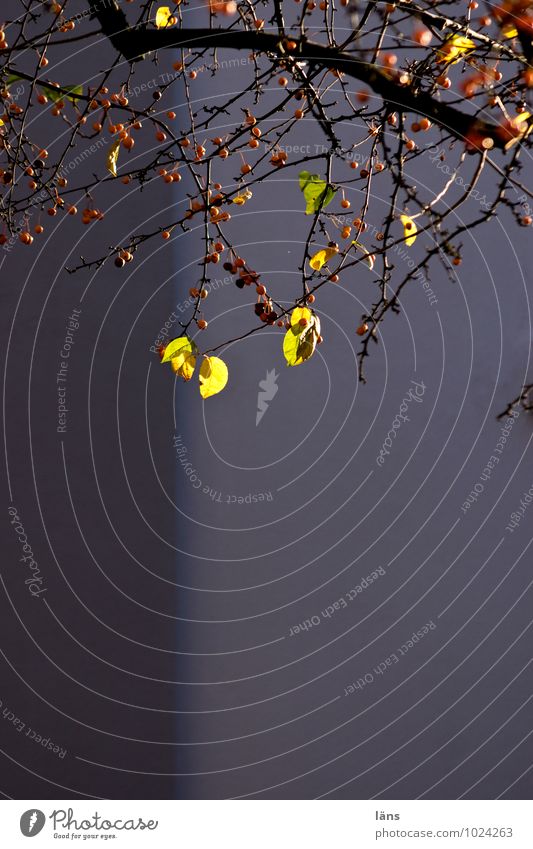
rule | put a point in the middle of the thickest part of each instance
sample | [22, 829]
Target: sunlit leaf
[112, 157]
[409, 229]
[213, 376]
[164, 17]
[300, 341]
[291, 341]
[300, 313]
[368, 258]
[316, 191]
[184, 365]
[520, 118]
[455, 48]
[508, 30]
[177, 346]
[321, 258]
[241, 198]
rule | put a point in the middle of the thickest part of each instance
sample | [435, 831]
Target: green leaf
[70, 92]
[181, 345]
[213, 376]
[316, 191]
[12, 78]
[74, 92]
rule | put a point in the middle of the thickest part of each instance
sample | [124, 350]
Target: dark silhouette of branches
[387, 85]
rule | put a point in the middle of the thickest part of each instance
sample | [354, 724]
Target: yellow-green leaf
[455, 48]
[10, 79]
[177, 346]
[298, 313]
[316, 191]
[241, 198]
[291, 342]
[162, 17]
[409, 229]
[299, 342]
[509, 30]
[520, 118]
[213, 376]
[321, 258]
[74, 92]
[184, 364]
[71, 92]
[112, 157]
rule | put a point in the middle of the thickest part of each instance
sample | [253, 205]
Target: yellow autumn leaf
[213, 376]
[300, 341]
[298, 313]
[112, 157]
[321, 258]
[454, 48]
[181, 345]
[291, 343]
[164, 17]
[509, 30]
[242, 198]
[184, 365]
[409, 229]
[520, 118]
